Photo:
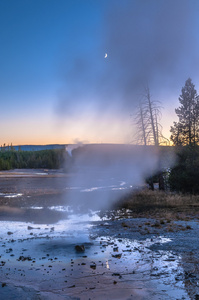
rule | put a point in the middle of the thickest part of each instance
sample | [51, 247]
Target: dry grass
[148, 198]
[165, 207]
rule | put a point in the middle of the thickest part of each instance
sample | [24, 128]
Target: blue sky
[36, 37]
[57, 87]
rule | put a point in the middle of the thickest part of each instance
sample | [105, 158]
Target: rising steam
[148, 41]
[102, 174]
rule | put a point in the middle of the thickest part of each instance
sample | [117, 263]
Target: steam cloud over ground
[148, 42]
[105, 173]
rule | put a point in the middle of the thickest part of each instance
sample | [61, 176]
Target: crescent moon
[105, 56]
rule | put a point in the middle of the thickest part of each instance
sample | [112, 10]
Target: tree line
[49, 159]
[184, 176]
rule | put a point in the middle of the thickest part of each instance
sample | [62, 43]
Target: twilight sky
[56, 86]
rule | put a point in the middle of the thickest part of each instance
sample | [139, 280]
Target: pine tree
[186, 130]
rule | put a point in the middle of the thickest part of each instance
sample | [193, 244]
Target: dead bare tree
[147, 122]
[141, 124]
[148, 127]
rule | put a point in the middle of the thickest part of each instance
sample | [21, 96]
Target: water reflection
[54, 228]
[129, 262]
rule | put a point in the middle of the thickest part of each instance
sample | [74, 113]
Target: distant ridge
[39, 147]
[101, 146]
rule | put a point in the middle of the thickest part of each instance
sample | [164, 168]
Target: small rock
[80, 248]
[9, 250]
[30, 228]
[117, 255]
[24, 258]
[93, 265]
[116, 274]
[125, 225]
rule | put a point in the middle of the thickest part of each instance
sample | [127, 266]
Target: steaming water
[155, 269]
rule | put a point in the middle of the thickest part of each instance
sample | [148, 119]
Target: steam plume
[105, 173]
[147, 41]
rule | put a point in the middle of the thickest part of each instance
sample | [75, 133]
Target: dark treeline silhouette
[184, 176]
[50, 159]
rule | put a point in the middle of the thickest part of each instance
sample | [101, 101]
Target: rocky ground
[48, 252]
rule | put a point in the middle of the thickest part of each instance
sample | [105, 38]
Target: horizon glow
[58, 86]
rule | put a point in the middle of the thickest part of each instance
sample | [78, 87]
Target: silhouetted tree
[186, 130]
[11, 147]
[149, 129]
[147, 121]
[141, 122]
